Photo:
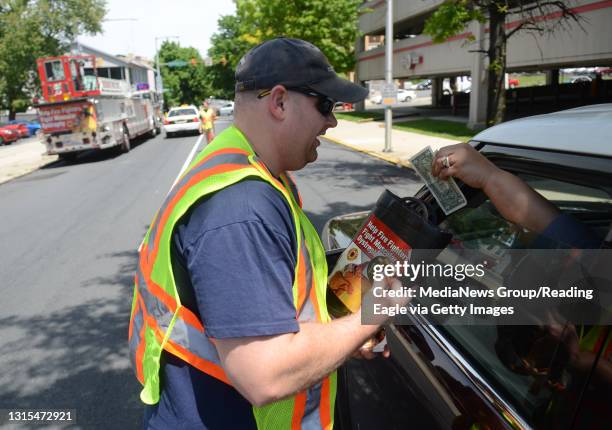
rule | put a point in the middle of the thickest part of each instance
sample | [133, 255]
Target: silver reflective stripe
[194, 341]
[308, 312]
[213, 161]
[312, 417]
[182, 333]
[154, 307]
[137, 325]
[292, 188]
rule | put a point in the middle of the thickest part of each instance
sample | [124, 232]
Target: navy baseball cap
[294, 63]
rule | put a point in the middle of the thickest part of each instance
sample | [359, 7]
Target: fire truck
[82, 111]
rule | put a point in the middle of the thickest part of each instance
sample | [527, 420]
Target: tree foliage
[186, 84]
[330, 25]
[452, 17]
[30, 29]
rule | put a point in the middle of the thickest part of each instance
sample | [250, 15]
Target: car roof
[184, 107]
[585, 130]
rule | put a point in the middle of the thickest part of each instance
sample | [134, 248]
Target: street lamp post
[388, 73]
[159, 84]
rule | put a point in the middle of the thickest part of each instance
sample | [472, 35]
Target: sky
[131, 26]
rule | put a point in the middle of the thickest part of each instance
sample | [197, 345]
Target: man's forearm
[267, 369]
[318, 349]
[519, 203]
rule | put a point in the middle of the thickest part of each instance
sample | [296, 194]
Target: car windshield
[180, 112]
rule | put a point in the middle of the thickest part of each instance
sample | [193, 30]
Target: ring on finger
[446, 162]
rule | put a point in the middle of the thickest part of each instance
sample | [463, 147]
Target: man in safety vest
[207, 117]
[229, 327]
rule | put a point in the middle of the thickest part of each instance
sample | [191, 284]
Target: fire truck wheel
[1, 141]
[125, 145]
[153, 132]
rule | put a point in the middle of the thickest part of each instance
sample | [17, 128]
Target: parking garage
[569, 67]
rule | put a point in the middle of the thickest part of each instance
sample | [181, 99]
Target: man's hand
[366, 351]
[516, 201]
[463, 162]
[386, 293]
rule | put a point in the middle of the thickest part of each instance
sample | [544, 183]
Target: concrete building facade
[584, 44]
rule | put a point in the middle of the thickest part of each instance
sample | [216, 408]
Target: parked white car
[227, 109]
[406, 95]
[376, 98]
[183, 119]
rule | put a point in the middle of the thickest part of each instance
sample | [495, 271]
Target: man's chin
[313, 156]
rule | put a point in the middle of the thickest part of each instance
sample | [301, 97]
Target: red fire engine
[82, 111]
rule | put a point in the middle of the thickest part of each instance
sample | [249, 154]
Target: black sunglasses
[325, 105]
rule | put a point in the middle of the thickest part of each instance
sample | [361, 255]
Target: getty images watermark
[513, 287]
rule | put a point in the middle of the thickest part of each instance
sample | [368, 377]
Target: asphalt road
[68, 253]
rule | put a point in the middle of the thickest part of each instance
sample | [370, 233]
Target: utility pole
[388, 76]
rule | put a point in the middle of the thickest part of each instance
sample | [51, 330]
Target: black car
[477, 376]
[425, 85]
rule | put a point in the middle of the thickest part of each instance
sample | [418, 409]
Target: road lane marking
[187, 162]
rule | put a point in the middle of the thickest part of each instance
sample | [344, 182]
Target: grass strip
[439, 128]
[359, 116]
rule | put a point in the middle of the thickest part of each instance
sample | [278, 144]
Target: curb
[23, 159]
[28, 168]
[382, 156]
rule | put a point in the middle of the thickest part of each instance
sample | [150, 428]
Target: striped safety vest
[160, 322]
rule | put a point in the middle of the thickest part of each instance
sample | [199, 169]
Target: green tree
[30, 29]
[227, 47]
[453, 16]
[330, 25]
[183, 73]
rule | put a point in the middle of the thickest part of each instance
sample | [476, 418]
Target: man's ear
[276, 102]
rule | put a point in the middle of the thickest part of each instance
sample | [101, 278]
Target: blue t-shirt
[566, 231]
[233, 258]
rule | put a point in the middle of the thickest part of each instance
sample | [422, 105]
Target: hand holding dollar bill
[446, 192]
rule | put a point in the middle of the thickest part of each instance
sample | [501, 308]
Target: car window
[500, 353]
[179, 112]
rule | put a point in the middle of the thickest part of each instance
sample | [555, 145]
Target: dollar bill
[446, 192]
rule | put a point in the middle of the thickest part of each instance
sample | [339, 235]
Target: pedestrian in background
[208, 117]
[229, 327]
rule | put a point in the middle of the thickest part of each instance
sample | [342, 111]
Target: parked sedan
[376, 98]
[582, 79]
[227, 109]
[8, 136]
[474, 376]
[406, 95]
[33, 126]
[425, 85]
[184, 119]
[18, 127]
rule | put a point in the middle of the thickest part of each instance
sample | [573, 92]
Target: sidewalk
[23, 157]
[369, 138]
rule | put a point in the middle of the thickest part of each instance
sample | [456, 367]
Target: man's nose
[331, 120]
